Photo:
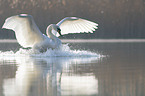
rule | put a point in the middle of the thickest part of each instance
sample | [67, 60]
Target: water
[93, 69]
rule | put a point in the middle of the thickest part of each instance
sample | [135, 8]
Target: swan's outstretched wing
[26, 31]
[76, 25]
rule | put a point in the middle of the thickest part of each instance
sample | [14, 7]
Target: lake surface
[118, 69]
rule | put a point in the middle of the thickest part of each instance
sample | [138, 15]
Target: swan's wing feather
[76, 25]
[26, 31]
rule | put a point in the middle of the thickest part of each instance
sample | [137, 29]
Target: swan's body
[28, 34]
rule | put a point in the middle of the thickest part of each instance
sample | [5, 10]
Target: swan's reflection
[50, 77]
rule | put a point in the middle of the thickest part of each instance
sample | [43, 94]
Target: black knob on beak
[59, 31]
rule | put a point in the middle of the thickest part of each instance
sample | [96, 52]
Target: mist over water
[63, 51]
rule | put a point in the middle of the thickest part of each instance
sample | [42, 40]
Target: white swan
[28, 34]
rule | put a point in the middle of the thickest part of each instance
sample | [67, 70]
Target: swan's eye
[58, 29]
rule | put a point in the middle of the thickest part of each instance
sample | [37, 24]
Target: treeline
[116, 18]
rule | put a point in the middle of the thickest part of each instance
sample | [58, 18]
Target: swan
[28, 34]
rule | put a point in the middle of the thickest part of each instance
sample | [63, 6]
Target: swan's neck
[49, 33]
[56, 41]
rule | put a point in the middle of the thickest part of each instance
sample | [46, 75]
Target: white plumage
[28, 34]
[76, 25]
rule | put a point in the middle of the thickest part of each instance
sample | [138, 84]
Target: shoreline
[85, 40]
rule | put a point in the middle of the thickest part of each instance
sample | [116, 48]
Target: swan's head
[55, 27]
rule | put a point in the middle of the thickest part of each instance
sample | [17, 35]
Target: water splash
[63, 51]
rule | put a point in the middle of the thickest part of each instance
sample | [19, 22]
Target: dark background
[116, 18]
